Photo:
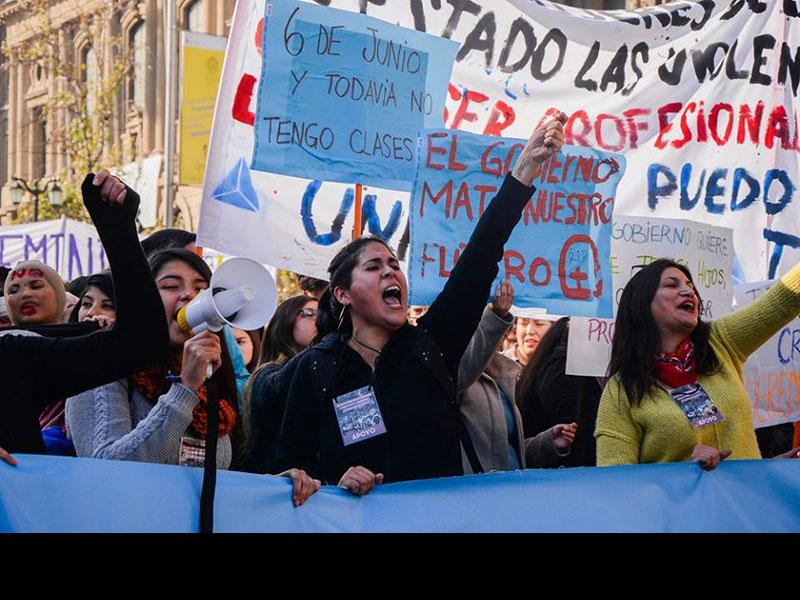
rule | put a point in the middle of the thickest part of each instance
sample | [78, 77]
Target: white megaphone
[242, 294]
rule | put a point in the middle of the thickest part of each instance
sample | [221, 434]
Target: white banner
[635, 242]
[142, 176]
[700, 97]
[772, 373]
[72, 248]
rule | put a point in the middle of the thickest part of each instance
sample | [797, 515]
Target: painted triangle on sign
[237, 189]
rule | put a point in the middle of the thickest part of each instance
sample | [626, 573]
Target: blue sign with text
[342, 95]
[558, 255]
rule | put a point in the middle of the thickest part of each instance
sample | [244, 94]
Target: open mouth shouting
[393, 297]
[689, 306]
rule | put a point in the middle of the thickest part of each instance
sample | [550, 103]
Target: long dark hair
[546, 396]
[636, 337]
[255, 336]
[529, 379]
[101, 281]
[278, 344]
[329, 313]
[224, 378]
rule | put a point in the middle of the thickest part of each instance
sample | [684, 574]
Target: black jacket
[41, 370]
[268, 389]
[413, 378]
[560, 398]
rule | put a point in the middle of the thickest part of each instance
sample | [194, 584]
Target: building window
[193, 16]
[89, 76]
[136, 43]
[39, 143]
[133, 150]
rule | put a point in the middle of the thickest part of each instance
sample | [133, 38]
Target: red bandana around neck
[677, 368]
[149, 382]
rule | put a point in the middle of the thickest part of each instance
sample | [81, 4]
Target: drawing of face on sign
[579, 250]
[34, 294]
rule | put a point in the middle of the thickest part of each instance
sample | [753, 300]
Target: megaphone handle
[209, 371]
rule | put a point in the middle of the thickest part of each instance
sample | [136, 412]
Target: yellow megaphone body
[242, 294]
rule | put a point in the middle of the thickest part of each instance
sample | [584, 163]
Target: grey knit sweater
[104, 424]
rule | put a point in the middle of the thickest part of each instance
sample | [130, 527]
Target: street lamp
[55, 194]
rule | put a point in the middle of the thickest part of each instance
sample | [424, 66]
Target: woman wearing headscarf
[35, 295]
[46, 368]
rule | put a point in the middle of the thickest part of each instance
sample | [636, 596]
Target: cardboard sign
[557, 257]
[343, 95]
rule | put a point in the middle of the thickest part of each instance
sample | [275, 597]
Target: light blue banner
[342, 95]
[59, 494]
[558, 255]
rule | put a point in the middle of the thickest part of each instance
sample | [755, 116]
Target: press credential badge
[693, 400]
[359, 416]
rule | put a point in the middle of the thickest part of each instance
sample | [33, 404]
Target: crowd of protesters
[347, 385]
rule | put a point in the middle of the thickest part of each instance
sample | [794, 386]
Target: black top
[413, 378]
[41, 370]
[560, 398]
[268, 389]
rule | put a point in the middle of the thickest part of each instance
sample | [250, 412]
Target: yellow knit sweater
[656, 430]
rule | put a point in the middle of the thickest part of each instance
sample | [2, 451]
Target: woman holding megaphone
[160, 414]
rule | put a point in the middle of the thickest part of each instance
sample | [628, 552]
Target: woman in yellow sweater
[676, 391]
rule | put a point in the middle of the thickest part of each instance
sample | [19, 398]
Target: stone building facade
[26, 146]
[27, 149]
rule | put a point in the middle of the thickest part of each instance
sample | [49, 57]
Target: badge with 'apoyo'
[359, 415]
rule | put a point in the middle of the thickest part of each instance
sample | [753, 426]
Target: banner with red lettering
[700, 98]
[557, 257]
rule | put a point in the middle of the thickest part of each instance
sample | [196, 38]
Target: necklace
[360, 343]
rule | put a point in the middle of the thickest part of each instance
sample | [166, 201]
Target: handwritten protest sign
[636, 242]
[706, 251]
[556, 258]
[343, 95]
[70, 247]
[772, 373]
[700, 98]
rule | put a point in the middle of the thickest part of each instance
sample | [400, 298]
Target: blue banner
[557, 257]
[58, 494]
[342, 95]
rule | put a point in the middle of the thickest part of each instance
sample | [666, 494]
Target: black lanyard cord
[210, 464]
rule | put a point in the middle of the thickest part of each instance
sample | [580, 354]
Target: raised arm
[61, 367]
[494, 324]
[454, 315]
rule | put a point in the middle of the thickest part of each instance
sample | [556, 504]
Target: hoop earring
[341, 317]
